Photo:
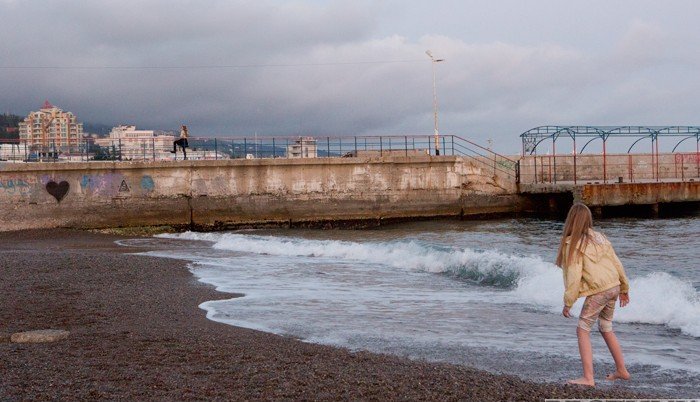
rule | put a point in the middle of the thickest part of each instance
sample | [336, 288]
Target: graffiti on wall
[14, 186]
[147, 183]
[114, 184]
[107, 184]
[687, 158]
[58, 190]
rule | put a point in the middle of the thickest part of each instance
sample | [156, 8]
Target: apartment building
[51, 127]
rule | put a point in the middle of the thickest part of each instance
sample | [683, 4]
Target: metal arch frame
[539, 134]
[532, 138]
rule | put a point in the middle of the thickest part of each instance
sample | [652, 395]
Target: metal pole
[574, 159]
[682, 172]
[216, 149]
[153, 144]
[630, 168]
[273, 147]
[405, 145]
[554, 153]
[652, 157]
[605, 176]
[435, 111]
[658, 162]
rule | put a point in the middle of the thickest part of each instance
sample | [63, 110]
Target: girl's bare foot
[582, 381]
[618, 375]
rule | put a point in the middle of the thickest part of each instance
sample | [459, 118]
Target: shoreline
[137, 332]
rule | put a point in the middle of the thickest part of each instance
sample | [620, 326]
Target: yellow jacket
[594, 269]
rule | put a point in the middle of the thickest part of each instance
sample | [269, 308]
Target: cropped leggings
[601, 307]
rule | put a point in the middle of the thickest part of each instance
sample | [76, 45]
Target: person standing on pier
[592, 270]
[182, 142]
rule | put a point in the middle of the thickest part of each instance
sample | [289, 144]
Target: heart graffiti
[58, 190]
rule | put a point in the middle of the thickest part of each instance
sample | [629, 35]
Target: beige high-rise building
[51, 126]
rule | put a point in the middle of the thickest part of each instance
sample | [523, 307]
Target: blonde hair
[576, 229]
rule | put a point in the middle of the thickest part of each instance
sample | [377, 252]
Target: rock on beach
[39, 336]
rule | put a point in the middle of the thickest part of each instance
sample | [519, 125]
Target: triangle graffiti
[123, 187]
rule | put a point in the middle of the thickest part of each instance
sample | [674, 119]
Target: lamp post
[435, 102]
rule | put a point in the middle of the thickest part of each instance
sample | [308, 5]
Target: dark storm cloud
[287, 72]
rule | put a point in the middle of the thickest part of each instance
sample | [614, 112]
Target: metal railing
[615, 168]
[213, 148]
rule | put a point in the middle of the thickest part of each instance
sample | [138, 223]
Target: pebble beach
[136, 333]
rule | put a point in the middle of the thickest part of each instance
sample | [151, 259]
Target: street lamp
[435, 102]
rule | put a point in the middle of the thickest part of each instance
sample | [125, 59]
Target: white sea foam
[657, 298]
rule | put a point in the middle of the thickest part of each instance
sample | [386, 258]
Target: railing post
[216, 149]
[120, 149]
[381, 150]
[245, 148]
[355, 146]
[328, 147]
[605, 159]
[657, 159]
[273, 148]
[554, 154]
[405, 144]
[682, 172]
[535, 167]
[630, 168]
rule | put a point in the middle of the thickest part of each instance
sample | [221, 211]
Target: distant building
[51, 127]
[303, 147]
[138, 144]
[127, 142]
[12, 152]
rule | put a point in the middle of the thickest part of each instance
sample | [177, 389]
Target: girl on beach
[592, 269]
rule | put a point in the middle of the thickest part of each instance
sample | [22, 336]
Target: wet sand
[136, 333]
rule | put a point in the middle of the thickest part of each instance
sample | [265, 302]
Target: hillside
[9, 126]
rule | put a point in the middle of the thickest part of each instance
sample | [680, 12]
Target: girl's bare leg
[616, 352]
[584, 348]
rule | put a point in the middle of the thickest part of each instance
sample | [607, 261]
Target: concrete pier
[230, 193]
[359, 191]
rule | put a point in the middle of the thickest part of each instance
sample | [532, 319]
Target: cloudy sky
[272, 67]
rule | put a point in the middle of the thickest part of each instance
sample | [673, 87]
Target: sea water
[479, 293]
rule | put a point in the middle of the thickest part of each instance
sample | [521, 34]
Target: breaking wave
[657, 298]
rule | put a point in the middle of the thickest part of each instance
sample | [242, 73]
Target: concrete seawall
[227, 193]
